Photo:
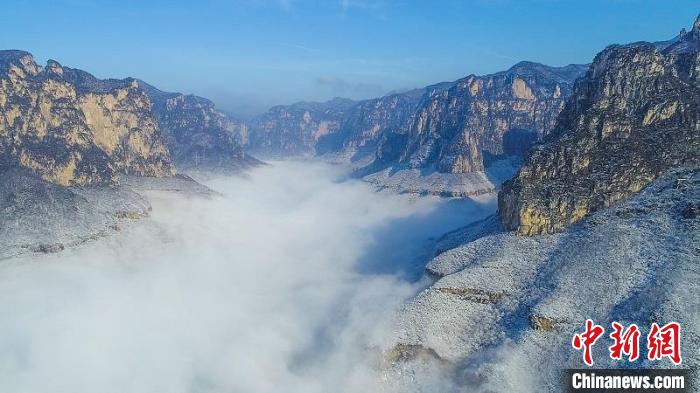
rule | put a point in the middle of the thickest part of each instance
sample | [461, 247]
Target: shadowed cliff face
[450, 127]
[73, 129]
[364, 125]
[635, 115]
[295, 129]
[198, 134]
[454, 129]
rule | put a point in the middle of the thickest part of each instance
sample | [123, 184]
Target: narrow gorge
[446, 238]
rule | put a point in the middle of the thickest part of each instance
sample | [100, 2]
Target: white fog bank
[285, 283]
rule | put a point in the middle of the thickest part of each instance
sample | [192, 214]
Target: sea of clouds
[286, 282]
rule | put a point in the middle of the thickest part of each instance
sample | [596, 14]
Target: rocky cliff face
[454, 127]
[480, 117]
[295, 129]
[198, 134]
[634, 115]
[502, 302]
[73, 129]
[364, 124]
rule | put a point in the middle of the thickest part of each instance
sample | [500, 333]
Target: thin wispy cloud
[341, 86]
[284, 4]
[301, 47]
[362, 4]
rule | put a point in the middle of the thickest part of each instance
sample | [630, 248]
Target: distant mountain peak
[604, 153]
[19, 58]
[71, 128]
[567, 72]
[686, 42]
[13, 54]
[54, 67]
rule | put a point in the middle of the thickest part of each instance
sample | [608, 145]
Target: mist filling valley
[287, 280]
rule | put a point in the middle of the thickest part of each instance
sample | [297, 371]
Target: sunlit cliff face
[257, 290]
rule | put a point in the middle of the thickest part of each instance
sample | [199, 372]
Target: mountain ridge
[634, 115]
[53, 123]
[75, 129]
[378, 133]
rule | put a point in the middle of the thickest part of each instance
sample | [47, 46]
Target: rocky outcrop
[364, 125]
[501, 302]
[454, 127]
[479, 117]
[37, 216]
[634, 115]
[73, 129]
[295, 129]
[197, 134]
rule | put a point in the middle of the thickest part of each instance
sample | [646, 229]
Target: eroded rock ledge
[37, 216]
[502, 302]
[634, 115]
[74, 129]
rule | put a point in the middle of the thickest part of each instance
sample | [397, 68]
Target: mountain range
[455, 127]
[599, 215]
[634, 115]
[600, 222]
[74, 129]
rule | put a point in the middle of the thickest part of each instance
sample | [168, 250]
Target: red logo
[665, 342]
[586, 340]
[626, 342]
[661, 342]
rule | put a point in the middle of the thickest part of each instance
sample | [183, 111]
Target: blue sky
[247, 55]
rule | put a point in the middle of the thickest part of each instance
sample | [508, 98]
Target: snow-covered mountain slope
[502, 312]
[41, 217]
[458, 185]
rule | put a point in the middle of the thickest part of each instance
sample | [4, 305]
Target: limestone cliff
[453, 127]
[73, 129]
[197, 133]
[525, 297]
[289, 130]
[634, 115]
[457, 129]
[363, 126]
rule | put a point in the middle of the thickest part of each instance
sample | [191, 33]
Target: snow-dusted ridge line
[507, 302]
[40, 217]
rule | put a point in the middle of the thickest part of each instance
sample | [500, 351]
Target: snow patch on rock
[503, 303]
